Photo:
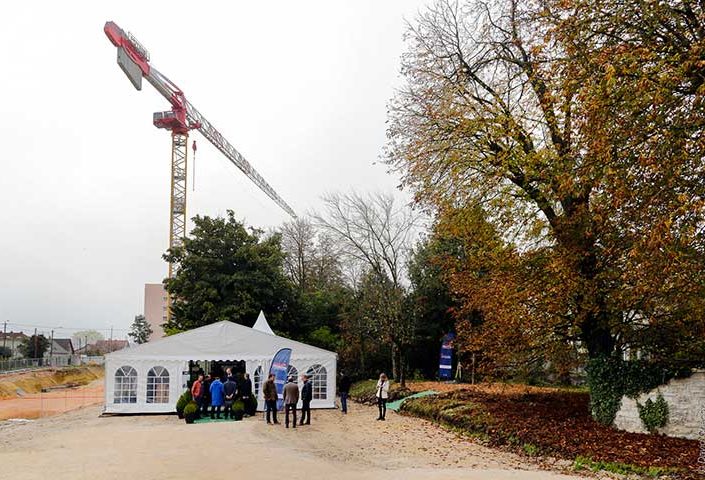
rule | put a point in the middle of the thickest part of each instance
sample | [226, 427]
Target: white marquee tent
[150, 378]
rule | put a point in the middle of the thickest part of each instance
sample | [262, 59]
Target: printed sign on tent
[445, 371]
[280, 367]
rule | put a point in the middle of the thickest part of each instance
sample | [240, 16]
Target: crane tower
[134, 60]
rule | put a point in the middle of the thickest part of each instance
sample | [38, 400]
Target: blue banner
[280, 367]
[445, 370]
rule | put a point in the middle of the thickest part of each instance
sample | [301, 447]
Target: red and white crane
[133, 59]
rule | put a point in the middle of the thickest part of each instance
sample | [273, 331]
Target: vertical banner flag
[279, 367]
[445, 371]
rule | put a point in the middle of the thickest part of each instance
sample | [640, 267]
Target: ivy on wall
[611, 378]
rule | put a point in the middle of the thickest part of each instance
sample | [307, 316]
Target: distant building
[155, 308]
[61, 347]
[13, 340]
[101, 347]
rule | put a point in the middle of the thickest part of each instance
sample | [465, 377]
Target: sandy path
[79, 445]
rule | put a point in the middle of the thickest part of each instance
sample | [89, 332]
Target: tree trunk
[395, 373]
[401, 366]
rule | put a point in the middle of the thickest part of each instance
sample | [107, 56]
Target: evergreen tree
[140, 330]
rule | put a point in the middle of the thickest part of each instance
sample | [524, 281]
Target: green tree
[431, 303]
[225, 272]
[5, 352]
[140, 330]
[34, 346]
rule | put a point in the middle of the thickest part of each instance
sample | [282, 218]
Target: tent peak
[262, 325]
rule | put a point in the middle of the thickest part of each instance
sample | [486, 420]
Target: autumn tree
[86, 337]
[577, 127]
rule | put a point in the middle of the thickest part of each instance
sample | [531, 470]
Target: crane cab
[171, 120]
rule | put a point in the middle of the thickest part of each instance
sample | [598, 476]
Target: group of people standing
[210, 391]
[291, 398]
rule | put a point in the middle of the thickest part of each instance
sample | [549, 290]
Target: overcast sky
[300, 88]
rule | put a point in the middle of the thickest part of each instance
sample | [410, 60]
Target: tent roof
[262, 325]
[219, 341]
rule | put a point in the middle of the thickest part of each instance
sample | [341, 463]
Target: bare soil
[80, 445]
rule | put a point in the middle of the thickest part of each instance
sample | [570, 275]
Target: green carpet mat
[213, 420]
[397, 404]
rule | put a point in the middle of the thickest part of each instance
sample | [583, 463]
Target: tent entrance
[215, 368]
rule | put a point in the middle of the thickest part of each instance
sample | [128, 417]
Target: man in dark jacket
[206, 388]
[246, 394]
[269, 390]
[344, 389]
[230, 391]
[291, 398]
[306, 397]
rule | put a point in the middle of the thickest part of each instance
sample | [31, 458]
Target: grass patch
[587, 463]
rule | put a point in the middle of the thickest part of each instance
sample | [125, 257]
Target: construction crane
[134, 60]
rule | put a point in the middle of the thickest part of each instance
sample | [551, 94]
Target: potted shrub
[251, 407]
[181, 403]
[190, 411]
[238, 409]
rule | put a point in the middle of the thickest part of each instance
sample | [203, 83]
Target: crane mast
[134, 60]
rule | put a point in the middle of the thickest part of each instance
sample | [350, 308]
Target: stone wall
[685, 398]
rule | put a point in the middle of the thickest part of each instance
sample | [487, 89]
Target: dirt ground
[82, 445]
[37, 405]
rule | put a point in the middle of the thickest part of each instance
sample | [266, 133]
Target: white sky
[300, 88]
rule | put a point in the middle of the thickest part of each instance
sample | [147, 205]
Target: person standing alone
[306, 397]
[344, 389]
[382, 395]
[291, 397]
[269, 390]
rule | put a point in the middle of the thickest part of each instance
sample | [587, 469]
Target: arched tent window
[125, 385]
[292, 371]
[158, 385]
[318, 376]
[257, 380]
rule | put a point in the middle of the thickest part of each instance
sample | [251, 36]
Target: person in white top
[382, 395]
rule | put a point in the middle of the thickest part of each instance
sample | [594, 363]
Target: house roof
[65, 344]
[13, 335]
[106, 346]
[220, 341]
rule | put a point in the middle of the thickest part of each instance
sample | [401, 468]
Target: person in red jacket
[197, 392]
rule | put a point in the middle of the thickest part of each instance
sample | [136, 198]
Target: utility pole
[4, 335]
[111, 339]
[35, 344]
[51, 349]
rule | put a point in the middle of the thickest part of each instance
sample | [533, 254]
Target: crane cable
[193, 182]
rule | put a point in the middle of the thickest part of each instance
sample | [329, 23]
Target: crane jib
[133, 59]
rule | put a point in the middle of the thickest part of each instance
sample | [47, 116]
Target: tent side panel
[158, 400]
